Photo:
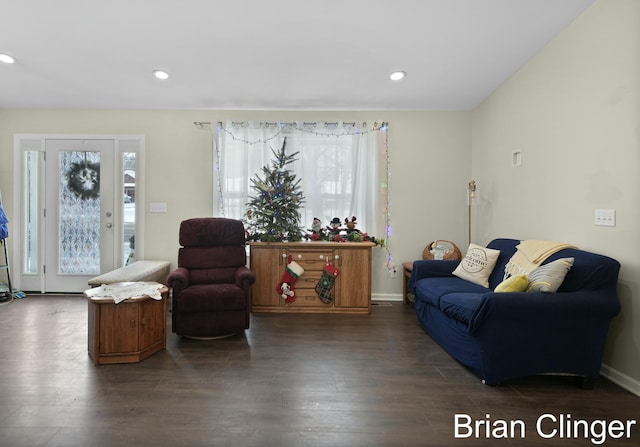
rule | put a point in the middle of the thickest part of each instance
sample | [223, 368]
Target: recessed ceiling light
[161, 74]
[6, 58]
[397, 75]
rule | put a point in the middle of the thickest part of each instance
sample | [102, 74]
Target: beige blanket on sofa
[530, 254]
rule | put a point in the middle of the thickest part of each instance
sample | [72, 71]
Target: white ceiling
[278, 54]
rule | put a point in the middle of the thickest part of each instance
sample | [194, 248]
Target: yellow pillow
[516, 283]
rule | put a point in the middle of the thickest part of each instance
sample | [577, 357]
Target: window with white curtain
[342, 167]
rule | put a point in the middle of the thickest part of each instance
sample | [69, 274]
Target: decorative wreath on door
[83, 179]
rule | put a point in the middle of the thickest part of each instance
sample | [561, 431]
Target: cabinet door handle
[132, 323]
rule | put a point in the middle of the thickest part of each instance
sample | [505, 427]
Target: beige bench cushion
[136, 271]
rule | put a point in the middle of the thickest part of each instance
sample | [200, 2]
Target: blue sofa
[508, 335]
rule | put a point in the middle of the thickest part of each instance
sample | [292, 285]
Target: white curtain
[342, 167]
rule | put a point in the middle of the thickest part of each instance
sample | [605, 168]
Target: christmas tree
[273, 212]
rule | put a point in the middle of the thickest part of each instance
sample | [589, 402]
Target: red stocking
[291, 273]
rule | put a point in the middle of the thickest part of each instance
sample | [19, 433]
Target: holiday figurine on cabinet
[334, 226]
[316, 227]
[317, 232]
[351, 224]
[353, 234]
[334, 230]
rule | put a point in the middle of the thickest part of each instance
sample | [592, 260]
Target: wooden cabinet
[127, 332]
[352, 288]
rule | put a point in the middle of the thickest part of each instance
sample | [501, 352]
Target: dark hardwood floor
[291, 380]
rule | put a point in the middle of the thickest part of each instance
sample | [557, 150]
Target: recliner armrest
[245, 276]
[178, 279]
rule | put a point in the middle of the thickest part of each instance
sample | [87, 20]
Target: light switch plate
[160, 207]
[605, 218]
[516, 158]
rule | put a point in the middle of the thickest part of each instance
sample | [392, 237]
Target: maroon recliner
[212, 284]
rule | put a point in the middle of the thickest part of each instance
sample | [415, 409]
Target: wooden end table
[129, 331]
[407, 268]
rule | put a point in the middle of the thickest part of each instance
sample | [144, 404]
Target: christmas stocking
[291, 273]
[326, 282]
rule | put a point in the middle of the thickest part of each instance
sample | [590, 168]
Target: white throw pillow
[549, 277]
[477, 264]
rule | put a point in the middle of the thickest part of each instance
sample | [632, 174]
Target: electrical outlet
[605, 218]
[393, 272]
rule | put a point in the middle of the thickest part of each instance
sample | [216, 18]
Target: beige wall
[574, 112]
[429, 166]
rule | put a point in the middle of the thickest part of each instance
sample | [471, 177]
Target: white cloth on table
[120, 292]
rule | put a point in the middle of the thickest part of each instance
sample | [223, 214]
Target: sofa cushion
[516, 283]
[548, 277]
[460, 306]
[477, 264]
[432, 289]
[590, 271]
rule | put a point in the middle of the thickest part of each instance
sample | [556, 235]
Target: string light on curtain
[279, 126]
[387, 211]
[328, 129]
[237, 131]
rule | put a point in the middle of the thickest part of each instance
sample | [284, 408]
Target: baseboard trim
[386, 297]
[628, 383]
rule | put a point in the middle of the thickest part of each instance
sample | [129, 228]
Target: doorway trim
[122, 143]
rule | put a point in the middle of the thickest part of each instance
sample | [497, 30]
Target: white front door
[80, 224]
[79, 208]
